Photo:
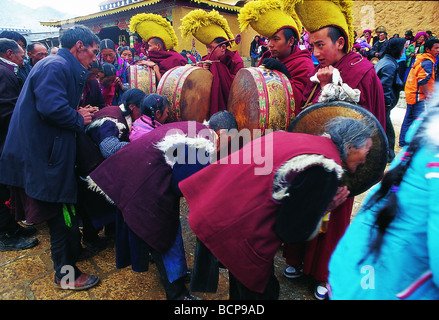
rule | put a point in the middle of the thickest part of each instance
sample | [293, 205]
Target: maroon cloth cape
[138, 180]
[232, 210]
[358, 73]
[167, 59]
[223, 74]
[299, 64]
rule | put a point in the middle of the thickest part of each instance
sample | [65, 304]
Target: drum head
[312, 120]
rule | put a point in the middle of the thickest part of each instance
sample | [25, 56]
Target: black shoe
[25, 231]
[16, 242]
[97, 245]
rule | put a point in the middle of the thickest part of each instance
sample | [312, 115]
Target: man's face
[434, 50]
[358, 156]
[216, 53]
[152, 46]
[325, 51]
[38, 53]
[87, 55]
[278, 46]
[382, 36]
[108, 55]
[16, 57]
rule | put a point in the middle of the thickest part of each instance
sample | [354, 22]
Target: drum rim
[380, 134]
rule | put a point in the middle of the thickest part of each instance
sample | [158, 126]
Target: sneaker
[291, 272]
[84, 281]
[321, 292]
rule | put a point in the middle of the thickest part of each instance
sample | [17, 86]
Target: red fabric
[167, 59]
[315, 254]
[358, 73]
[224, 214]
[108, 93]
[223, 74]
[299, 64]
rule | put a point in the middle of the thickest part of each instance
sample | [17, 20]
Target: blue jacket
[410, 245]
[40, 148]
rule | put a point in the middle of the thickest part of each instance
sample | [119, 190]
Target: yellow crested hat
[150, 25]
[269, 16]
[317, 14]
[205, 26]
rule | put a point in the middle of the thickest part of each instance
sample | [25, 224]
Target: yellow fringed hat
[269, 16]
[205, 26]
[149, 25]
[317, 14]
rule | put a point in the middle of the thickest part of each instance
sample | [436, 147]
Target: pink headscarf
[422, 33]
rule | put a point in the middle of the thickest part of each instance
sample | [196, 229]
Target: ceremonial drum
[143, 78]
[188, 89]
[261, 99]
[312, 120]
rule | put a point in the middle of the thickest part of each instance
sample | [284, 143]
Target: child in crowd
[154, 110]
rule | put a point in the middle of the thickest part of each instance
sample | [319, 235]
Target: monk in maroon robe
[358, 73]
[282, 47]
[224, 71]
[160, 59]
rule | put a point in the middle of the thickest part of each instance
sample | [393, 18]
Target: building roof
[223, 4]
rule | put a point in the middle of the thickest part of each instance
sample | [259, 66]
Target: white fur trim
[168, 143]
[94, 187]
[300, 163]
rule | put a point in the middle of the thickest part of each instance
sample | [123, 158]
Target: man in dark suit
[12, 235]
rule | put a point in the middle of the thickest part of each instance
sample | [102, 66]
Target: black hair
[151, 103]
[78, 33]
[31, 46]
[429, 43]
[221, 39]
[394, 47]
[334, 34]
[108, 69]
[290, 33]
[127, 48]
[223, 120]
[132, 96]
[13, 35]
[159, 41]
[8, 44]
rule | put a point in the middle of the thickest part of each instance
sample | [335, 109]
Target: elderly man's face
[87, 55]
[358, 156]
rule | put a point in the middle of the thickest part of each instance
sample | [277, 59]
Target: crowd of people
[80, 146]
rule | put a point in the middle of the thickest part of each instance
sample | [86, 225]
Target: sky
[74, 7]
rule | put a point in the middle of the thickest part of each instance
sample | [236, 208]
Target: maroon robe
[223, 74]
[167, 60]
[299, 64]
[138, 180]
[224, 214]
[358, 73]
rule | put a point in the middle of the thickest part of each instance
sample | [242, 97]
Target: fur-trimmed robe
[233, 209]
[138, 180]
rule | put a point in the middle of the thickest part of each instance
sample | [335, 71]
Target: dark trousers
[7, 221]
[174, 291]
[412, 112]
[132, 250]
[237, 291]
[390, 133]
[65, 242]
